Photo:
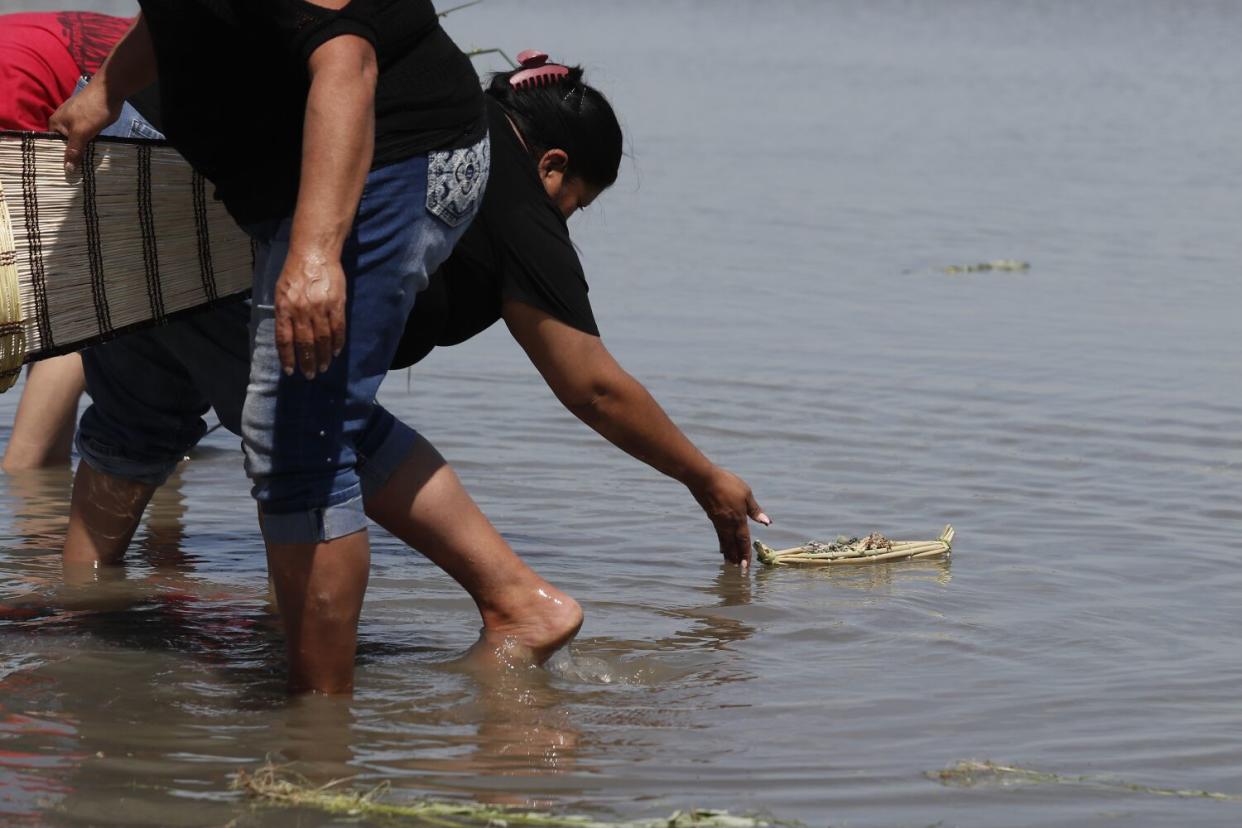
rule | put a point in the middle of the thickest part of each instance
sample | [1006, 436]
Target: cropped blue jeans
[303, 438]
[312, 447]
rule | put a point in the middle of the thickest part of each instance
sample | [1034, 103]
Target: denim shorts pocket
[140, 128]
[456, 180]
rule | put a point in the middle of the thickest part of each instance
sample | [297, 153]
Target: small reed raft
[131, 240]
[875, 548]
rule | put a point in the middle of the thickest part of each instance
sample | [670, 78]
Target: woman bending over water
[556, 146]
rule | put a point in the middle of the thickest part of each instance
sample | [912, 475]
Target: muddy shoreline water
[771, 264]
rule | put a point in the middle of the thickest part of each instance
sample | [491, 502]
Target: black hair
[569, 115]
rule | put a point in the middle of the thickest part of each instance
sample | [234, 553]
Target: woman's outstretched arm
[592, 384]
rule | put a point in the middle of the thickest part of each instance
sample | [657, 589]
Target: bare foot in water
[525, 628]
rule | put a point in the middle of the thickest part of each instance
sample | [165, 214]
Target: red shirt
[42, 55]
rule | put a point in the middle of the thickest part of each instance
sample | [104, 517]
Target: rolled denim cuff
[112, 462]
[315, 525]
[378, 466]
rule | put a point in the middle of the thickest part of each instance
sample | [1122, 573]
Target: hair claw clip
[536, 72]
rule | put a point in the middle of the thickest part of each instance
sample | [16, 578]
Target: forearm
[131, 66]
[337, 146]
[591, 384]
[625, 413]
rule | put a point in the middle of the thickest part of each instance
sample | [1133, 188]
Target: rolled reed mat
[129, 241]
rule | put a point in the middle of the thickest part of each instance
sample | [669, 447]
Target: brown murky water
[769, 265]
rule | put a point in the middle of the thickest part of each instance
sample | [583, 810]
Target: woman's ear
[553, 161]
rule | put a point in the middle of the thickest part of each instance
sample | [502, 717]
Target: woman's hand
[729, 503]
[310, 312]
[81, 118]
[130, 67]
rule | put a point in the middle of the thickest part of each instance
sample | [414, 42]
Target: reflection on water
[870, 579]
[769, 265]
[511, 726]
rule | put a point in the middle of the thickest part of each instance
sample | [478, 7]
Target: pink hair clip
[536, 71]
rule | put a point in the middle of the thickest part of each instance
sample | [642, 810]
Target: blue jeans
[304, 439]
[129, 125]
[151, 388]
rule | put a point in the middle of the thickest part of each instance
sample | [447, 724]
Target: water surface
[769, 265]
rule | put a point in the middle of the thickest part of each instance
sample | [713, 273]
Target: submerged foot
[527, 628]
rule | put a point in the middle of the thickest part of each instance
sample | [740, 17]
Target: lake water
[769, 264]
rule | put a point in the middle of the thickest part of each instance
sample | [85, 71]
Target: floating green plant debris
[968, 774]
[995, 264]
[874, 548]
[272, 785]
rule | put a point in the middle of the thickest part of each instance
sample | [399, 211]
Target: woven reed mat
[128, 242]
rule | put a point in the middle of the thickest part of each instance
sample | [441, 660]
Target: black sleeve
[542, 268]
[304, 26]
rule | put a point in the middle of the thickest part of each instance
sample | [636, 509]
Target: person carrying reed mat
[42, 57]
[349, 140]
[556, 146]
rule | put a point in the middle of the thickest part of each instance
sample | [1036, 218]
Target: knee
[332, 606]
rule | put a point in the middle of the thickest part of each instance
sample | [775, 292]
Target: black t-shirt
[518, 248]
[233, 83]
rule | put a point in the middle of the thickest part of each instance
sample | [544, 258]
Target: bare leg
[46, 415]
[104, 512]
[320, 589]
[425, 505]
